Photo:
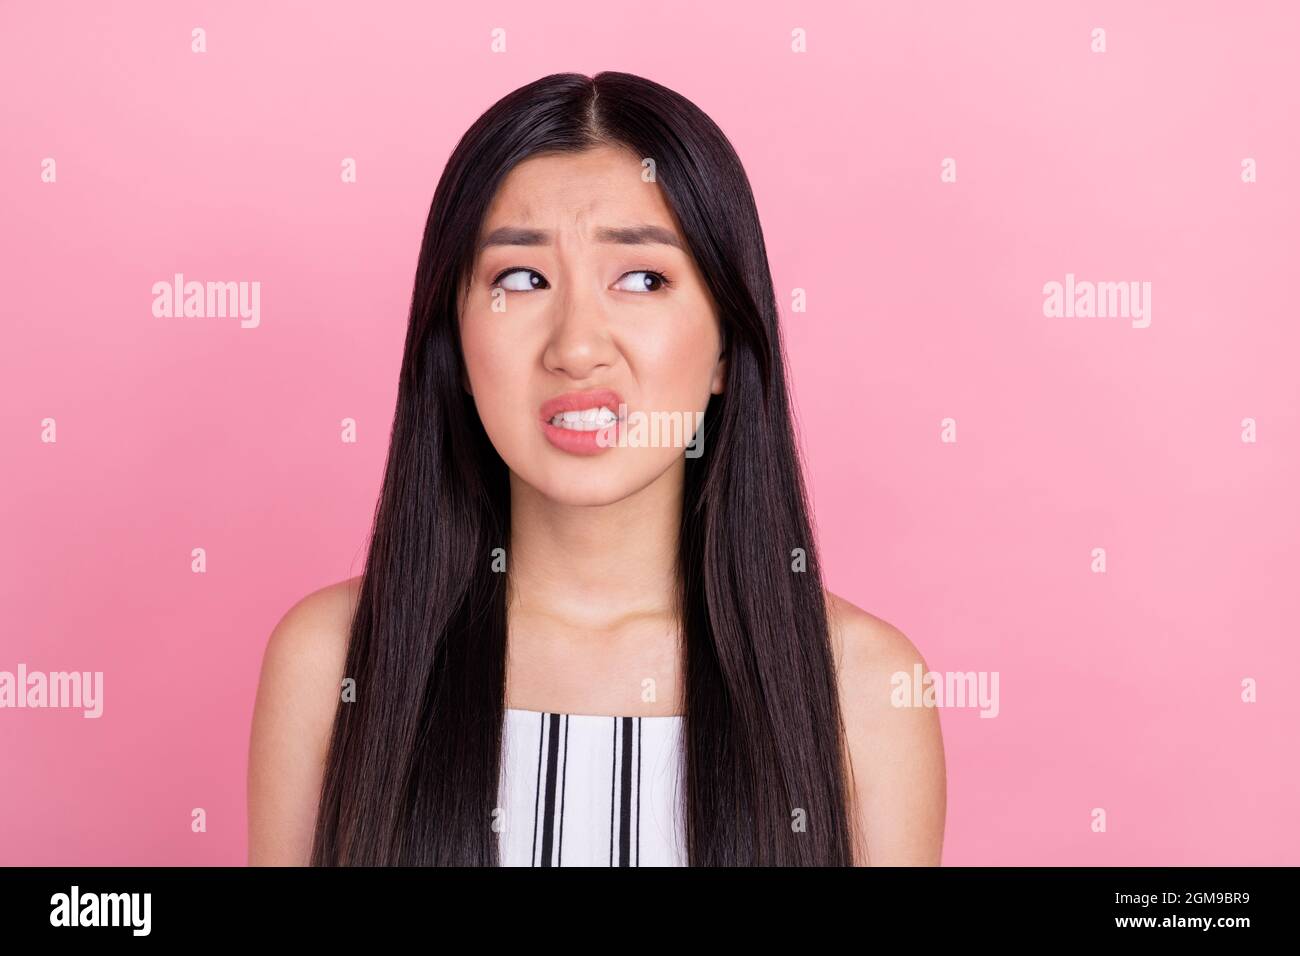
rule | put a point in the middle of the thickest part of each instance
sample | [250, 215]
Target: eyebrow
[626, 235]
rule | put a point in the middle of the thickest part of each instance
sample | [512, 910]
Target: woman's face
[567, 310]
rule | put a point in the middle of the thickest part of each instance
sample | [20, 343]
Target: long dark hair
[413, 769]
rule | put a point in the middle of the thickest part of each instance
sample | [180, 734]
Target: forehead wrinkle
[597, 219]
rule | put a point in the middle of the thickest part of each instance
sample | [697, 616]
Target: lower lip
[581, 442]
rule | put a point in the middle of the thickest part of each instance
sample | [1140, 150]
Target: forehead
[600, 186]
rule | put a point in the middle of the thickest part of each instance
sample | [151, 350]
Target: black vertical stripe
[625, 795]
[638, 791]
[537, 782]
[564, 773]
[548, 812]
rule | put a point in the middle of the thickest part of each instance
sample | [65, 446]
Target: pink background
[1118, 690]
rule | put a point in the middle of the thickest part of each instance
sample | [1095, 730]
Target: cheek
[493, 367]
[481, 341]
[678, 367]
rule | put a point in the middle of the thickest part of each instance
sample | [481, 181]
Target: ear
[462, 372]
[460, 357]
[462, 301]
[719, 376]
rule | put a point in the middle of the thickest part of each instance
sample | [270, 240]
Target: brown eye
[643, 280]
[533, 281]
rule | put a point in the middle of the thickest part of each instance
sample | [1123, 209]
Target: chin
[589, 490]
[584, 483]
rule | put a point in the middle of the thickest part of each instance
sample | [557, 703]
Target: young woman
[577, 641]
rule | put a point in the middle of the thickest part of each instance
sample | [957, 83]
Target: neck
[594, 567]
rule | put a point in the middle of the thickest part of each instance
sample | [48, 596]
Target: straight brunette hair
[412, 774]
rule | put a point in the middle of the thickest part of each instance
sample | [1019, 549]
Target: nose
[580, 343]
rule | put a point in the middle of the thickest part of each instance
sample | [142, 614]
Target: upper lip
[577, 401]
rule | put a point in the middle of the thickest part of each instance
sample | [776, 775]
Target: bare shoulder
[899, 782]
[312, 635]
[297, 696]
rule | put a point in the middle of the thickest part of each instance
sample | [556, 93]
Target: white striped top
[586, 790]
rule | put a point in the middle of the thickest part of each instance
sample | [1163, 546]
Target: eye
[649, 281]
[532, 281]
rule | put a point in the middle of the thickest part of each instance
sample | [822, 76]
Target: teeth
[586, 420]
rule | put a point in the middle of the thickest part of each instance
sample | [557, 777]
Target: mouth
[585, 420]
[583, 423]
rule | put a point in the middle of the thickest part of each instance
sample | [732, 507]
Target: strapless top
[588, 790]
